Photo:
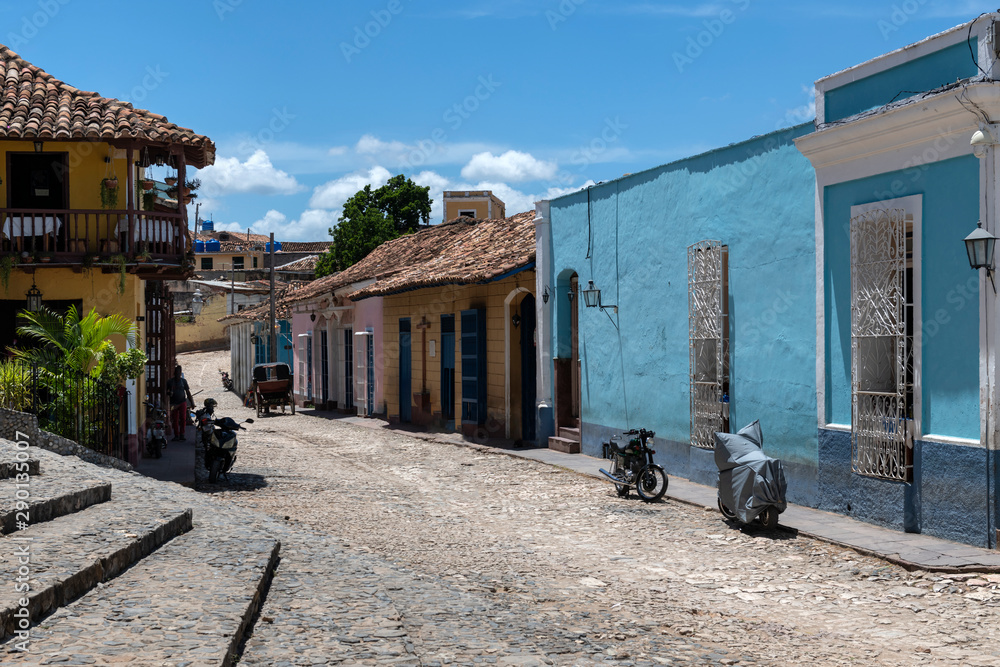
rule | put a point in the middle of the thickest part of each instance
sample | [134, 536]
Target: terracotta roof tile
[36, 105]
[262, 311]
[300, 265]
[461, 252]
[305, 246]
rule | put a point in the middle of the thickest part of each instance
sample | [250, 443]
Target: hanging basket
[170, 180]
[147, 184]
[111, 183]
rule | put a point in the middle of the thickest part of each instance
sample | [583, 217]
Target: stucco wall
[205, 332]
[934, 70]
[949, 291]
[631, 239]
[452, 300]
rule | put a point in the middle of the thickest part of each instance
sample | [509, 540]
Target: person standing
[180, 397]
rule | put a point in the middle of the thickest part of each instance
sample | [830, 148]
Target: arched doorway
[528, 364]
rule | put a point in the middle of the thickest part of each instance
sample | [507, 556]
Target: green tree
[372, 217]
[80, 343]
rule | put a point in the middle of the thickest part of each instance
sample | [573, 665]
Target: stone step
[569, 433]
[564, 445]
[47, 498]
[70, 555]
[188, 603]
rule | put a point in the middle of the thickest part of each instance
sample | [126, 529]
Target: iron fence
[68, 403]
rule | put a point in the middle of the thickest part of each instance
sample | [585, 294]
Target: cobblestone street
[398, 550]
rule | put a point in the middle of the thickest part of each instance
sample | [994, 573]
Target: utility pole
[273, 348]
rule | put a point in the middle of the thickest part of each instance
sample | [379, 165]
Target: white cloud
[257, 175]
[511, 166]
[312, 225]
[333, 194]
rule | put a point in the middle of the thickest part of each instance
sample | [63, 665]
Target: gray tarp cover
[749, 480]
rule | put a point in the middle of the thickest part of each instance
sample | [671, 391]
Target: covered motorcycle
[751, 484]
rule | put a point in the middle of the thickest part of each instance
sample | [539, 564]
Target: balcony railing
[70, 235]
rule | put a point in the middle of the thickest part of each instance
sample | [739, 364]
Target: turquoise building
[706, 271]
[905, 329]
[814, 278]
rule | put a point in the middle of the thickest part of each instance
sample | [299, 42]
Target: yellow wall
[206, 331]
[452, 300]
[452, 208]
[223, 261]
[86, 170]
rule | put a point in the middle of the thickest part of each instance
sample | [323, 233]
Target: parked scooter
[156, 436]
[227, 382]
[218, 435]
[632, 466]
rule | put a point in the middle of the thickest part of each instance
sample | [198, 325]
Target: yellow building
[459, 327]
[73, 224]
[475, 204]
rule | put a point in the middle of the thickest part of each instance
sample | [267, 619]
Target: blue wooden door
[405, 370]
[448, 370]
[473, 367]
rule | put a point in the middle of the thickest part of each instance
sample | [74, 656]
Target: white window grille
[884, 341]
[708, 322]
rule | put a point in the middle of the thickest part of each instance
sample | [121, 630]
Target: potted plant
[149, 200]
[109, 193]
[170, 180]
[143, 254]
[45, 257]
[27, 257]
[88, 260]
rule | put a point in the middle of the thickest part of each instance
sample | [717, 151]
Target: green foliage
[71, 341]
[119, 261]
[372, 217]
[6, 266]
[115, 368]
[109, 196]
[326, 264]
[15, 385]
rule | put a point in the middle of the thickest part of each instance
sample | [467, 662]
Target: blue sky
[308, 101]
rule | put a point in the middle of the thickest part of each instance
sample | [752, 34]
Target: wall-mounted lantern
[592, 297]
[980, 246]
[34, 298]
[545, 295]
[515, 320]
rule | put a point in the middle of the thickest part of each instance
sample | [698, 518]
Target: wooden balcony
[81, 237]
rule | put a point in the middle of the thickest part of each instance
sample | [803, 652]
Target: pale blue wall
[758, 198]
[950, 300]
[916, 76]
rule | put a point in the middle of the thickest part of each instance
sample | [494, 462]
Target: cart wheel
[257, 404]
[727, 513]
[292, 403]
[769, 518]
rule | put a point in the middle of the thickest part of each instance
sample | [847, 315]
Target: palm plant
[70, 340]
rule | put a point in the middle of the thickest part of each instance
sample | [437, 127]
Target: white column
[543, 311]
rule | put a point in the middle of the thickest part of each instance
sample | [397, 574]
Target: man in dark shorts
[177, 392]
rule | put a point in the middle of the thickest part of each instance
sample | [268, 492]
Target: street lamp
[980, 246]
[197, 303]
[34, 298]
[592, 297]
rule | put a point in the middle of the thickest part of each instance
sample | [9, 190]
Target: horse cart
[272, 387]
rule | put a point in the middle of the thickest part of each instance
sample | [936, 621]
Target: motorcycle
[156, 436]
[218, 435]
[227, 382]
[632, 466]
